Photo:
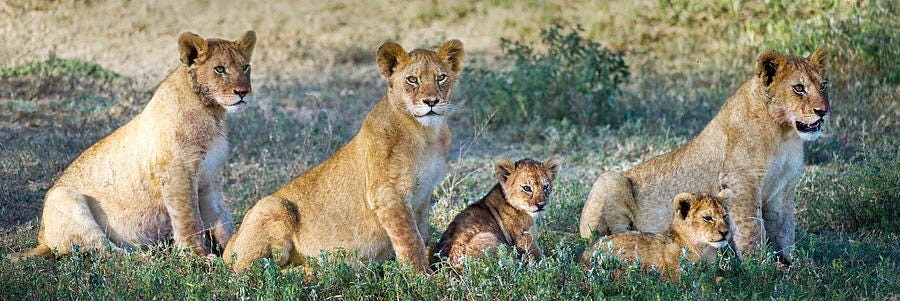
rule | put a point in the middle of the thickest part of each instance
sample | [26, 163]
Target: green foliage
[574, 79]
[862, 197]
[867, 35]
[56, 67]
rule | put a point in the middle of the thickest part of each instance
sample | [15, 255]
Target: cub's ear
[388, 57]
[193, 48]
[452, 53]
[819, 60]
[552, 167]
[768, 65]
[683, 202]
[247, 42]
[504, 168]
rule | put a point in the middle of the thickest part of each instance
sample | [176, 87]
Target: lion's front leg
[745, 213]
[779, 222]
[397, 218]
[215, 216]
[180, 196]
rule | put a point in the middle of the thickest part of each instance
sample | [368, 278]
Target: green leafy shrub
[863, 197]
[574, 79]
[56, 67]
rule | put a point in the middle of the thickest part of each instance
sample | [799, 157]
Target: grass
[315, 79]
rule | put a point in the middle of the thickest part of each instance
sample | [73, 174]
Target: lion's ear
[819, 59]
[388, 57]
[767, 66]
[683, 202]
[552, 167]
[452, 53]
[247, 42]
[504, 168]
[193, 48]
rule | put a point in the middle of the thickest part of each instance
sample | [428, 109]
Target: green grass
[683, 59]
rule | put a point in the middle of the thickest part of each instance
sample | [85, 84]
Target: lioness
[157, 176]
[505, 216]
[372, 196]
[753, 146]
[698, 226]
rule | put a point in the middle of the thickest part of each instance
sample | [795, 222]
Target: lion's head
[527, 184]
[796, 90]
[701, 218]
[219, 70]
[421, 82]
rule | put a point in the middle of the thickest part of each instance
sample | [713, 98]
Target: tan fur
[505, 216]
[698, 226]
[373, 195]
[754, 146]
[157, 177]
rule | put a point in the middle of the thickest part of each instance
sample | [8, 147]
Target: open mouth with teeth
[809, 128]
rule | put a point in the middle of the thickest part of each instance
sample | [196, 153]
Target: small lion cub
[505, 216]
[698, 225]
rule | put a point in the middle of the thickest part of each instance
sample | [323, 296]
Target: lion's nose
[241, 92]
[540, 205]
[431, 102]
[821, 111]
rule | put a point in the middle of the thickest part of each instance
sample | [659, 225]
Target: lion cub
[505, 216]
[699, 226]
[158, 177]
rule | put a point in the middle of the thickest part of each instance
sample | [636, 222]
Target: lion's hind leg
[67, 220]
[608, 208]
[266, 232]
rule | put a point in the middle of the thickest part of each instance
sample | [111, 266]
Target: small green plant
[56, 67]
[863, 197]
[574, 79]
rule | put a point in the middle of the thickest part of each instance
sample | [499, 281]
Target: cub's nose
[431, 102]
[821, 111]
[241, 92]
[540, 205]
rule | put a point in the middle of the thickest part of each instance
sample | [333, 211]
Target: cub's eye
[246, 68]
[708, 219]
[412, 80]
[526, 188]
[799, 89]
[441, 78]
[219, 69]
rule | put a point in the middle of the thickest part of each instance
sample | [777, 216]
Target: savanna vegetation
[603, 85]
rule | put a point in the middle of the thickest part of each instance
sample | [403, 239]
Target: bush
[574, 79]
[863, 197]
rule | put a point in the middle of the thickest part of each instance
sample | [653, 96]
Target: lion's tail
[42, 251]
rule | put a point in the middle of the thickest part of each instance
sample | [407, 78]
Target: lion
[373, 195]
[158, 177]
[505, 216]
[753, 146]
[699, 226]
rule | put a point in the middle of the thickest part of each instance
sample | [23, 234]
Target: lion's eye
[441, 78]
[725, 216]
[219, 69]
[707, 219]
[799, 89]
[545, 188]
[412, 80]
[246, 68]
[526, 188]
[822, 86]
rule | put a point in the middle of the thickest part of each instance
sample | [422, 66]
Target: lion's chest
[784, 171]
[214, 159]
[429, 173]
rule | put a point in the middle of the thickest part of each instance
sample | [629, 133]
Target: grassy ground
[72, 72]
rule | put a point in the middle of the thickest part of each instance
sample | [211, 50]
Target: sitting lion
[698, 226]
[372, 196]
[158, 176]
[505, 216]
[753, 146]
